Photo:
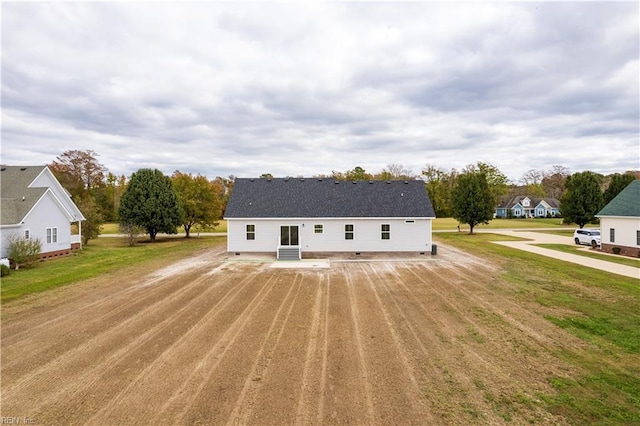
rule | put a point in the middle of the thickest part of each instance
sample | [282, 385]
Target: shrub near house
[35, 206]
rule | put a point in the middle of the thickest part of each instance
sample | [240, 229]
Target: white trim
[61, 188]
[333, 218]
[58, 202]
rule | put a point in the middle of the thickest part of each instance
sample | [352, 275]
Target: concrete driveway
[544, 238]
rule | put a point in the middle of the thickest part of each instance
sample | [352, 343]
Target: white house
[620, 222]
[297, 217]
[35, 205]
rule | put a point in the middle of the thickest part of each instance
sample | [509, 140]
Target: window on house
[318, 228]
[52, 235]
[27, 234]
[612, 235]
[251, 232]
[638, 238]
[385, 230]
[348, 232]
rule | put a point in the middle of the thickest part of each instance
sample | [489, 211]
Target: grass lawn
[599, 308]
[112, 228]
[449, 223]
[579, 250]
[101, 256]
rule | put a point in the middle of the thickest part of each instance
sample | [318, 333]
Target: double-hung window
[348, 232]
[385, 230]
[251, 232]
[52, 235]
[612, 235]
[318, 228]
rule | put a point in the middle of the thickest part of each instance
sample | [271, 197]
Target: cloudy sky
[288, 89]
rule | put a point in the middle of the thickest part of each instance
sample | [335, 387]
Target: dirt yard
[216, 341]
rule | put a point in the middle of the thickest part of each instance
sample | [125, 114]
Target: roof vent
[337, 182]
[388, 182]
[301, 179]
[286, 179]
[320, 180]
[3, 169]
[406, 182]
[354, 182]
[22, 169]
[370, 182]
[252, 180]
[23, 198]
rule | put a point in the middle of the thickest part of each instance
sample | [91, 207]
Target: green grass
[112, 228]
[101, 256]
[600, 308]
[449, 223]
[623, 260]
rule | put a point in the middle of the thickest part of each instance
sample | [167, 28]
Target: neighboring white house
[620, 222]
[294, 217]
[34, 205]
[524, 206]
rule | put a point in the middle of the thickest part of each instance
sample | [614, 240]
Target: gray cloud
[244, 89]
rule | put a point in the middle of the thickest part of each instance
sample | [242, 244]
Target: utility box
[434, 249]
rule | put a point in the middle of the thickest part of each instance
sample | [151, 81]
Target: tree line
[152, 202]
[146, 200]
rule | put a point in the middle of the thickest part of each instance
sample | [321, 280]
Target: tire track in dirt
[81, 369]
[449, 353]
[34, 323]
[285, 370]
[364, 373]
[313, 364]
[500, 368]
[122, 405]
[395, 387]
[69, 343]
[242, 407]
[229, 370]
[342, 394]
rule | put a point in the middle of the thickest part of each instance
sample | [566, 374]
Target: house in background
[297, 217]
[526, 207]
[34, 205]
[620, 222]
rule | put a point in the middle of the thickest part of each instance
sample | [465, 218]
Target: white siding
[47, 180]
[625, 227]
[5, 232]
[405, 236]
[47, 214]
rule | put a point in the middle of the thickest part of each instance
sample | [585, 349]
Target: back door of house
[289, 235]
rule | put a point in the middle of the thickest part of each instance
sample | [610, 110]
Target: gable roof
[626, 203]
[326, 198]
[511, 202]
[18, 198]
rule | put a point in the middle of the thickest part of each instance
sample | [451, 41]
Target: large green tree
[439, 183]
[198, 199]
[150, 202]
[582, 198]
[471, 198]
[617, 183]
[82, 175]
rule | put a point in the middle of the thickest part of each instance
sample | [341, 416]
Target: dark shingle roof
[14, 185]
[312, 197]
[510, 202]
[626, 203]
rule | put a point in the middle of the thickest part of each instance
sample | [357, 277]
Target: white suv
[587, 236]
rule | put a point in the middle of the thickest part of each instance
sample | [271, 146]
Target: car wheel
[576, 240]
